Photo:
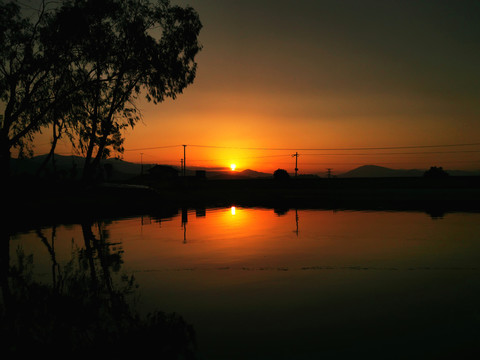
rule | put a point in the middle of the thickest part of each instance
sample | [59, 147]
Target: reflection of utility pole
[184, 160]
[184, 224]
[296, 155]
[296, 221]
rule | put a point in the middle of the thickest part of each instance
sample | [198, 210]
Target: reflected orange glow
[244, 238]
[238, 237]
[233, 264]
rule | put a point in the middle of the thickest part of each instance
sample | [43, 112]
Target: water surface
[297, 284]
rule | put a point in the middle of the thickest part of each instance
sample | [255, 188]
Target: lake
[259, 283]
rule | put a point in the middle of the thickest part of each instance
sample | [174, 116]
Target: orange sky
[323, 74]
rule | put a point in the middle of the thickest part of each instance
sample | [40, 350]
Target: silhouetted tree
[35, 78]
[85, 62]
[281, 174]
[124, 48]
[435, 172]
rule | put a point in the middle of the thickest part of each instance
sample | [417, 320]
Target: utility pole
[181, 165]
[296, 155]
[184, 160]
[329, 173]
[141, 163]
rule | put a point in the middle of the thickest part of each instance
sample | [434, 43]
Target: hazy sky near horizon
[322, 74]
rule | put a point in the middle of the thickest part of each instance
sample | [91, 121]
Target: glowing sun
[233, 167]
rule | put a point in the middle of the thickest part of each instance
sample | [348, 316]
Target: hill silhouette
[124, 170]
[380, 171]
[121, 170]
[245, 174]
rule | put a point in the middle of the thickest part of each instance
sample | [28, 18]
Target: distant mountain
[121, 170]
[124, 170]
[245, 174]
[30, 166]
[380, 171]
[463, 173]
[253, 173]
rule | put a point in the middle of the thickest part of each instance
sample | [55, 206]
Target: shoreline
[66, 202]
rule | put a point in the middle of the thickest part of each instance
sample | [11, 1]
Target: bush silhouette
[281, 174]
[435, 172]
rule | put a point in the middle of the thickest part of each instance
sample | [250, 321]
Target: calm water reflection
[285, 284]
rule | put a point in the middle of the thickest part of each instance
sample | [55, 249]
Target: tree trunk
[56, 137]
[4, 158]
[5, 266]
[87, 167]
[95, 165]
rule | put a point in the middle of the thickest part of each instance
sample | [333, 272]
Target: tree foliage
[32, 77]
[82, 66]
[281, 174]
[435, 172]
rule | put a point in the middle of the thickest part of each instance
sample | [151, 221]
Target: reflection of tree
[51, 251]
[280, 211]
[88, 310]
[163, 214]
[435, 212]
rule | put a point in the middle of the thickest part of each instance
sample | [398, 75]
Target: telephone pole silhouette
[296, 155]
[184, 160]
[329, 173]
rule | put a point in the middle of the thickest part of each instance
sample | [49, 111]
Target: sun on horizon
[233, 167]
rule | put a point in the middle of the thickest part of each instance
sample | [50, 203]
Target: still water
[292, 284]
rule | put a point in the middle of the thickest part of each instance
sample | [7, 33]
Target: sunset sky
[313, 74]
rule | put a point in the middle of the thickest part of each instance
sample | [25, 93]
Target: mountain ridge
[381, 171]
[123, 170]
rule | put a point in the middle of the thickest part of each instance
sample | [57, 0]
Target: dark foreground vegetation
[67, 201]
[80, 317]
[87, 305]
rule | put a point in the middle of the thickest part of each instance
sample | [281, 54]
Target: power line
[153, 148]
[242, 158]
[308, 149]
[402, 153]
[306, 154]
[344, 154]
[336, 149]
[386, 162]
